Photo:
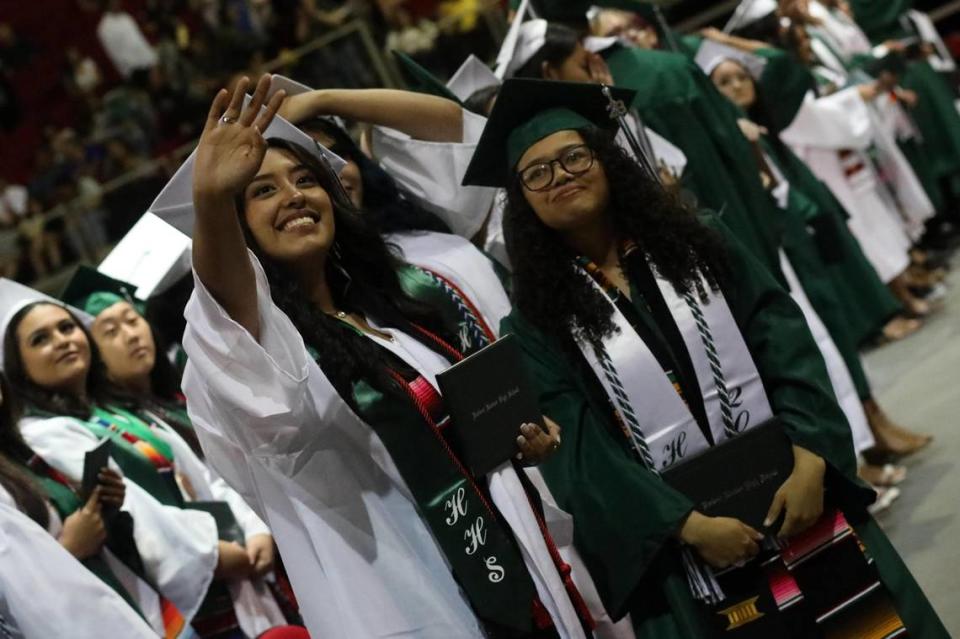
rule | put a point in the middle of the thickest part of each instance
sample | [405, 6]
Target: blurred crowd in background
[100, 104]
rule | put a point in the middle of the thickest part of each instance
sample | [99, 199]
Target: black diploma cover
[488, 396]
[739, 477]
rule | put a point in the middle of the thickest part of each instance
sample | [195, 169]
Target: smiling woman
[655, 337]
[332, 346]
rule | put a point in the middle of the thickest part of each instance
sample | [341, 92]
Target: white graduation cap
[748, 12]
[292, 87]
[14, 296]
[524, 39]
[711, 54]
[152, 256]
[472, 76]
[174, 205]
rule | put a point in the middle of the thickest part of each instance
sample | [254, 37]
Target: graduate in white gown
[425, 167]
[339, 430]
[46, 592]
[421, 209]
[143, 383]
[54, 368]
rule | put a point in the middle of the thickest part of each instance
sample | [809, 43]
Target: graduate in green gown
[678, 102]
[621, 297]
[840, 283]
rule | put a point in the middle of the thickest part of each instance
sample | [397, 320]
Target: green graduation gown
[862, 304]
[626, 518]
[675, 99]
[935, 114]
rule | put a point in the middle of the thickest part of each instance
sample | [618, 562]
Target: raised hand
[232, 146]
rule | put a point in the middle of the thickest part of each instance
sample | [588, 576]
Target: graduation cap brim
[472, 76]
[521, 101]
[93, 291]
[420, 80]
[174, 204]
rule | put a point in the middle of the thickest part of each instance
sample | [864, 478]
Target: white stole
[668, 427]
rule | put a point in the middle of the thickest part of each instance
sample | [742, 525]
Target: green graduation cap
[93, 292]
[420, 80]
[527, 111]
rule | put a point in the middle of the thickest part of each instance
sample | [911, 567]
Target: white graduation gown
[253, 602]
[839, 374]
[432, 173]
[822, 129]
[45, 592]
[362, 561]
[178, 547]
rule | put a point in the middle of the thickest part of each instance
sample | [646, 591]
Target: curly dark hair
[362, 272]
[37, 398]
[548, 290]
[559, 43]
[389, 207]
[14, 455]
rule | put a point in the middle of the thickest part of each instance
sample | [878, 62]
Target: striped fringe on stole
[821, 584]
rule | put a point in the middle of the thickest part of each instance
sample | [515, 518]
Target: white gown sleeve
[432, 173]
[45, 592]
[264, 396]
[179, 548]
[837, 121]
[209, 486]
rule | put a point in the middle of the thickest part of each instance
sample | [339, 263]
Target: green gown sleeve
[783, 84]
[679, 102]
[789, 362]
[624, 514]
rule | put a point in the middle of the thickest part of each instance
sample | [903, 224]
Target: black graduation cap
[93, 292]
[527, 111]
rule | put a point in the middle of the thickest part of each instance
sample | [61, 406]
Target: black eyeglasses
[575, 160]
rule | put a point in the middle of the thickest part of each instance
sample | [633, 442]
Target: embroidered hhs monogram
[475, 533]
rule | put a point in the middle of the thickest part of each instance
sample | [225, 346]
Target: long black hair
[559, 44]
[389, 207]
[14, 455]
[45, 400]
[362, 273]
[549, 291]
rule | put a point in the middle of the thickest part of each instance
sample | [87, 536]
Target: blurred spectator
[123, 41]
[83, 74]
[407, 34]
[13, 202]
[13, 206]
[41, 241]
[15, 52]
